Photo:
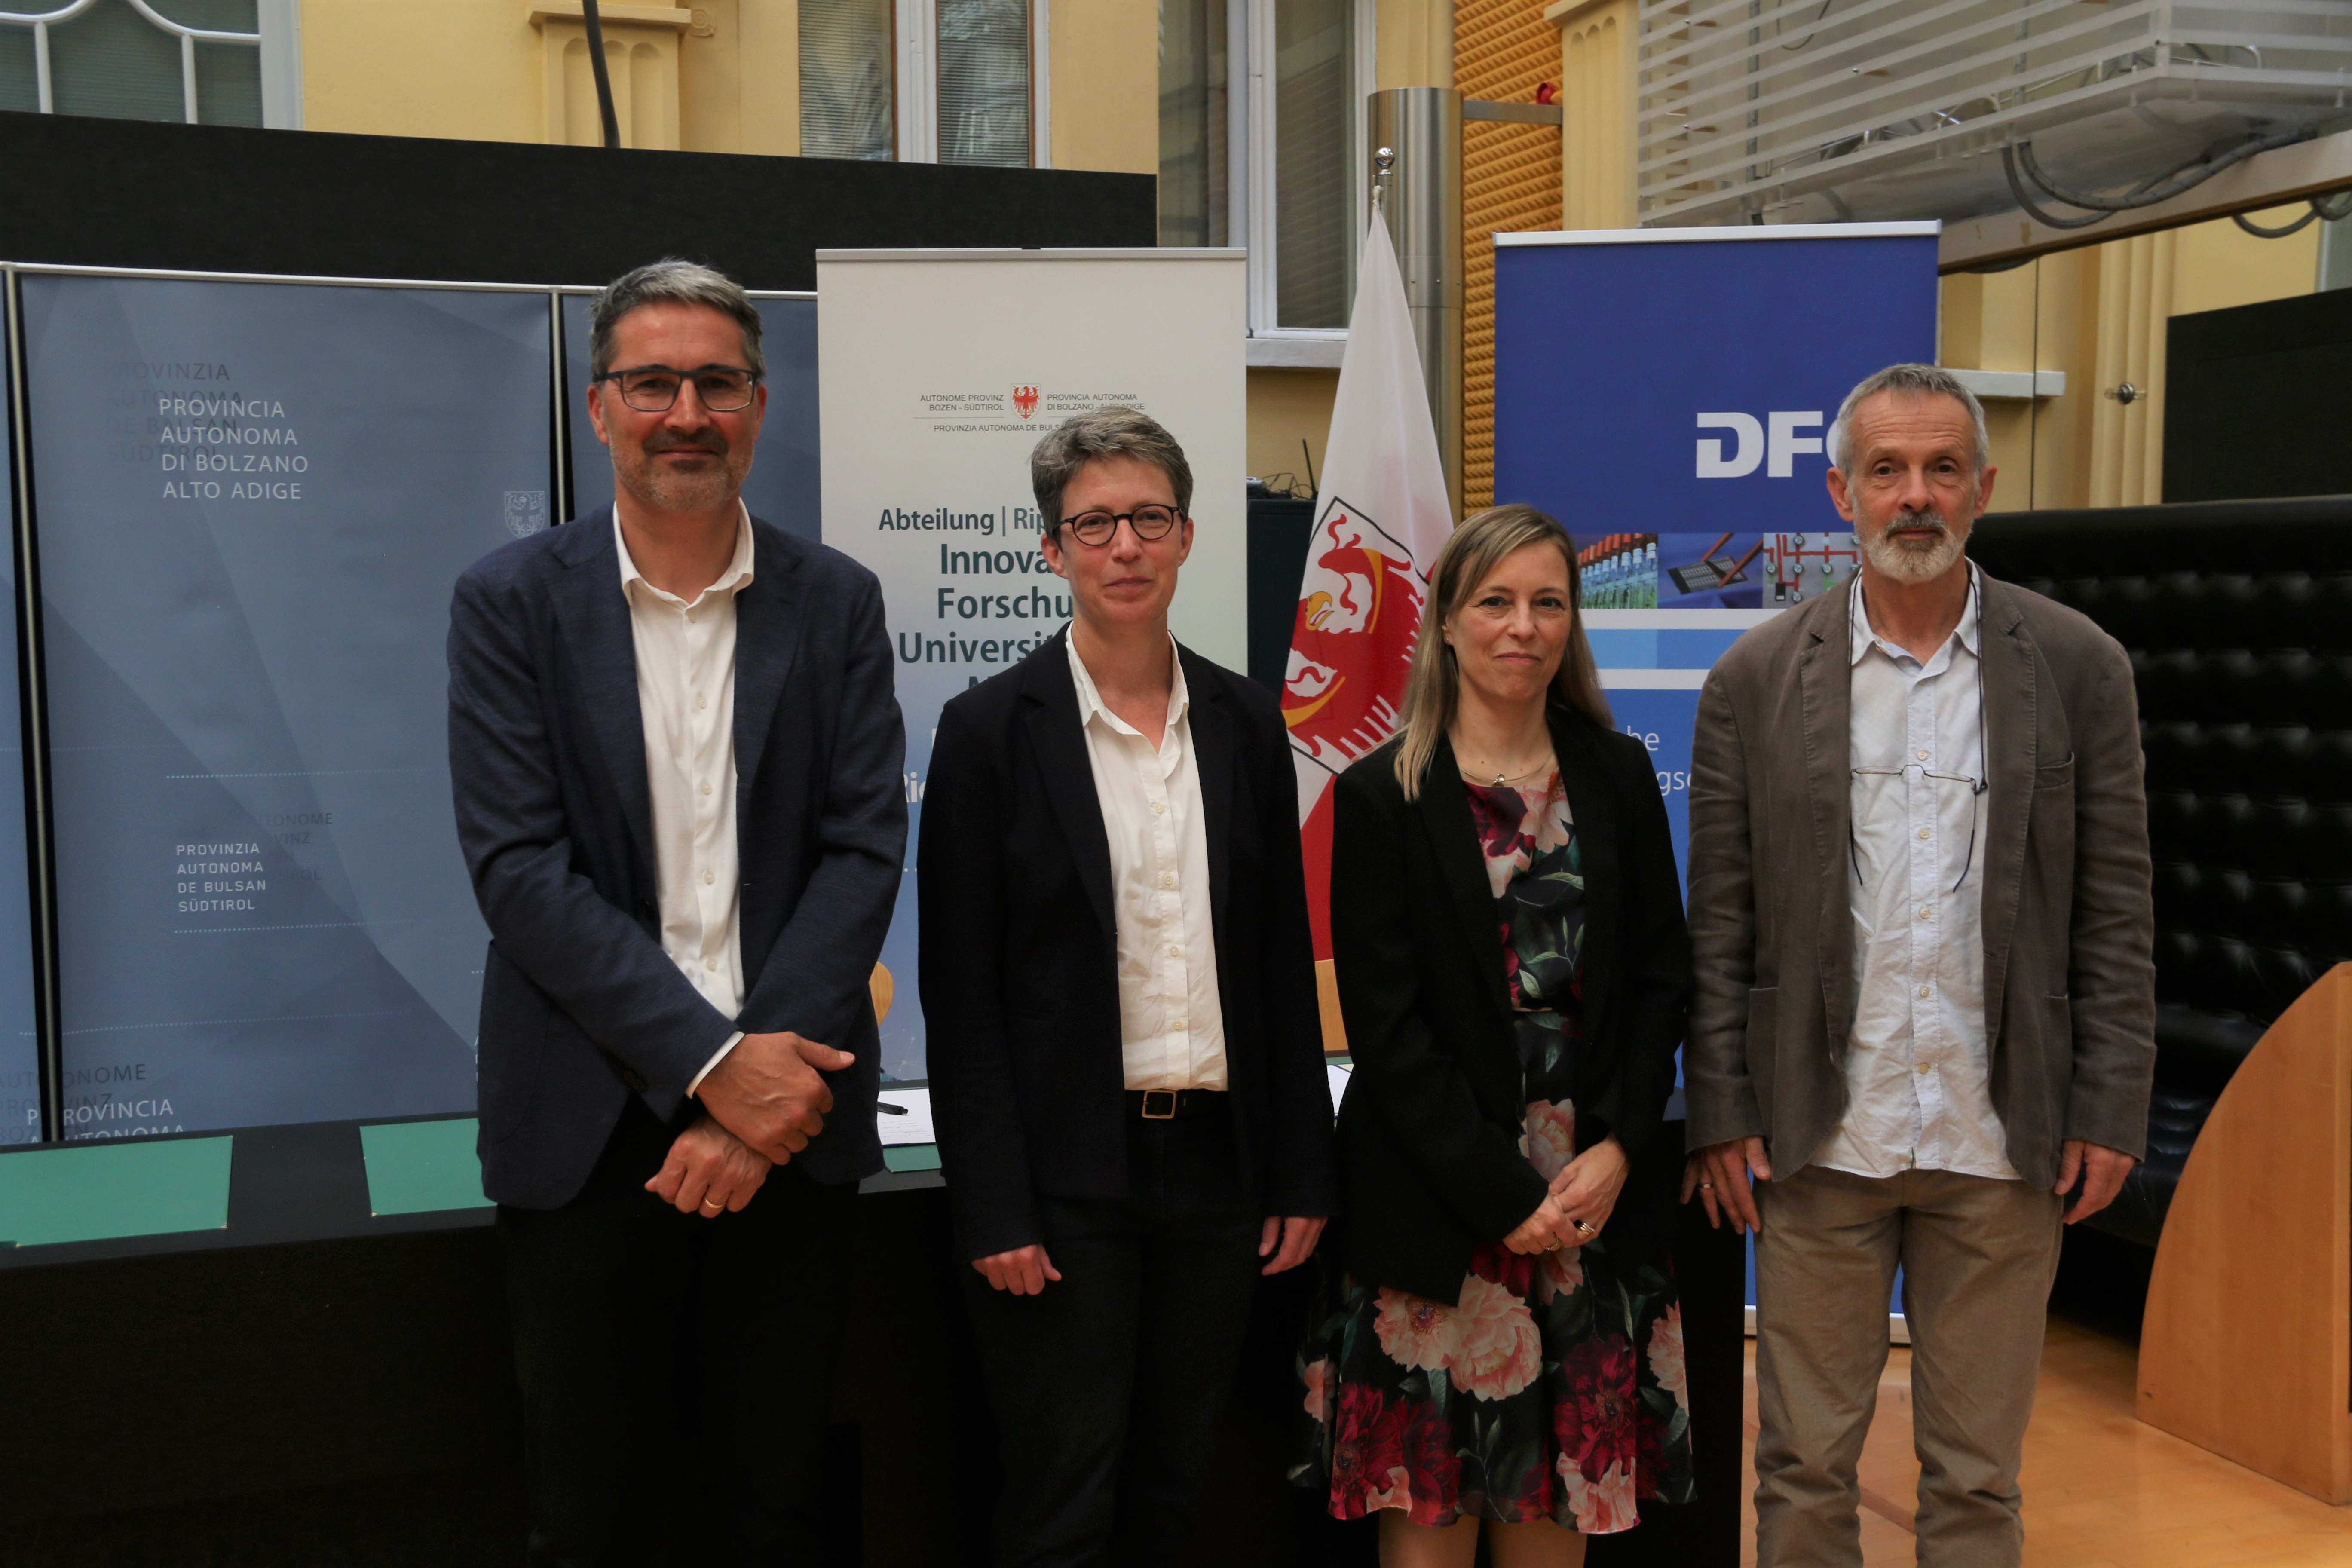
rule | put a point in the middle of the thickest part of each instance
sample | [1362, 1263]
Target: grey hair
[1108, 432]
[671, 281]
[1916, 381]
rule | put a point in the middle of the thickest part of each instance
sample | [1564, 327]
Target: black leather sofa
[2238, 616]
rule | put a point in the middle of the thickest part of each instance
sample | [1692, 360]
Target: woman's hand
[1587, 1189]
[709, 1171]
[1547, 1230]
[1024, 1270]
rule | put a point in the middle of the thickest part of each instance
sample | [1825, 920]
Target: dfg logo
[1752, 445]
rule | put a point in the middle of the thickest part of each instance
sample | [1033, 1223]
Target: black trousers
[1107, 1389]
[675, 1371]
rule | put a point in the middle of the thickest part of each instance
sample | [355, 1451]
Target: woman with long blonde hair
[1505, 1349]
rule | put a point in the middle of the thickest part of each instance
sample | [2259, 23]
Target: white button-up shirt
[1171, 1022]
[1917, 1066]
[686, 698]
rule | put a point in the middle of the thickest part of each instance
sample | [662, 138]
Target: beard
[1914, 547]
[709, 486]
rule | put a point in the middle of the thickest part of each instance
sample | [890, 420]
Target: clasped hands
[762, 1104]
[1585, 1190]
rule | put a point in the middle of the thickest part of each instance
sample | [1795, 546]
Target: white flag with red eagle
[1380, 517]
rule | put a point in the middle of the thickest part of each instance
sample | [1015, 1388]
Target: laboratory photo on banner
[253, 500]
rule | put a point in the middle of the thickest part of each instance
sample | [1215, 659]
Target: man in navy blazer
[676, 754]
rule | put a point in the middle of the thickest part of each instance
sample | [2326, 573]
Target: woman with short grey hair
[1126, 1052]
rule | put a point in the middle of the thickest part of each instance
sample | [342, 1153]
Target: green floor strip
[420, 1167]
[911, 1156]
[96, 1192]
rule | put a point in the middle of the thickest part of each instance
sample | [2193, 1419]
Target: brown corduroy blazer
[2069, 924]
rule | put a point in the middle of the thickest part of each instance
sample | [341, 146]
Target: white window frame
[916, 29]
[278, 35]
[1250, 33]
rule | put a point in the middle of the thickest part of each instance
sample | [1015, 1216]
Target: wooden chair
[2247, 1346]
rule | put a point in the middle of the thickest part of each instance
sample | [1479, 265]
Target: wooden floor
[2102, 1490]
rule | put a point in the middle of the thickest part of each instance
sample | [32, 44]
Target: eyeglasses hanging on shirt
[1976, 785]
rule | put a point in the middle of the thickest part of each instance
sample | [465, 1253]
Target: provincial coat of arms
[525, 512]
[1025, 398]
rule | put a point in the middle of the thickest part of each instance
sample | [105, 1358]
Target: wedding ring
[1584, 1227]
[1706, 1186]
[714, 1203]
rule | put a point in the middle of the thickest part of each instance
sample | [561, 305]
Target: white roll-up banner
[942, 370]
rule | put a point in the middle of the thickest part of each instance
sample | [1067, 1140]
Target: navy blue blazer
[547, 756]
[1020, 952]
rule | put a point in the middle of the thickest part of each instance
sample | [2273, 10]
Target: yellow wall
[1105, 76]
[466, 68]
[477, 70]
[1284, 406]
[1413, 43]
[2100, 314]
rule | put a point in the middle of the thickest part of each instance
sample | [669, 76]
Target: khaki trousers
[1977, 1256]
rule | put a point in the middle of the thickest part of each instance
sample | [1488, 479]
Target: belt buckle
[1166, 1097]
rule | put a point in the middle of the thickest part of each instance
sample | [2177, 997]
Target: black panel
[1277, 560]
[2238, 618]
[117, 193]
[2258, 398]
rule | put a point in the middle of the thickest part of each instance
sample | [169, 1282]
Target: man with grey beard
[1925, 1011]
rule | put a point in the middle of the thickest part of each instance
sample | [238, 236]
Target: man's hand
[1548, 1229]
[767, 1091]
[709, 1171]
[1024, 1270]
[2102, 1170]
[1297, 1236]
[1720, 1174]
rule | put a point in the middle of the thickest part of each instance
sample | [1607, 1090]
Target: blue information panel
[781, 488]
[252, 502]
[20, 1078]
[1667, 395]
[1681, 432]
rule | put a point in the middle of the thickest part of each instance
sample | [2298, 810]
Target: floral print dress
[1555, 1390]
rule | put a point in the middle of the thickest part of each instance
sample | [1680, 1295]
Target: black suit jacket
[1429, 1134]
[547, 753]
[1020, 969]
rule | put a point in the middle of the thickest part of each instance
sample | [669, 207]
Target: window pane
[1193, 151]
[1314, 109]
[18, 90]
[846, 107]
[984, 82]
[111, 61]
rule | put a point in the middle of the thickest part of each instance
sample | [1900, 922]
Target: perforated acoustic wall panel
[2238, 616]
[1503, 51]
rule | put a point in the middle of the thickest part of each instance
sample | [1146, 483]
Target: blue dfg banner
[1667, 395]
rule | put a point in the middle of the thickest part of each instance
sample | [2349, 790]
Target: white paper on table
[915, 1126]
[1337, 1076]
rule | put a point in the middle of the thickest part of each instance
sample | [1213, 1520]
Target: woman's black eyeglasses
[1094, 528]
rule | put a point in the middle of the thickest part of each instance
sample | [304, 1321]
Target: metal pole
[1416, 163]
[595, 24]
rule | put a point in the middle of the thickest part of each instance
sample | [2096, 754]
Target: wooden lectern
[2247, 1346]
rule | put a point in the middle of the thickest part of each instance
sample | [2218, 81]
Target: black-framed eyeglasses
[1096, 527]
[652, 388]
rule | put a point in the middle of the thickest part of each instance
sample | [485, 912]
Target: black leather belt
[1169, 1104]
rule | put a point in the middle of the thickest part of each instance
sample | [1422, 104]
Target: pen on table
[889, 1109]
